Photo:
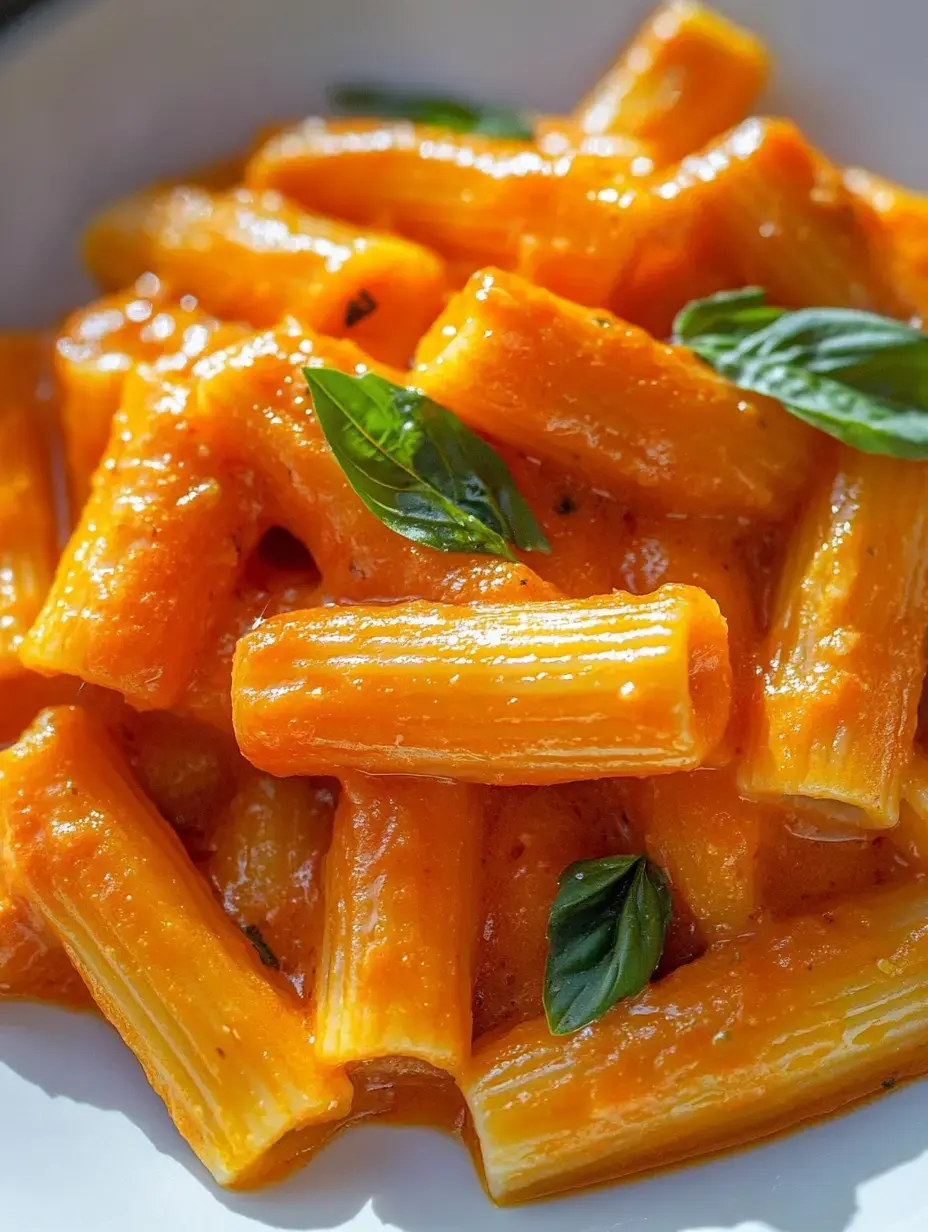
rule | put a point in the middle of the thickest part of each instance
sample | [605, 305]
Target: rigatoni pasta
[33, 962]
[896, 220]
[686, 77]
[710, 553]
[255, 257]
[265, 858]
[28, 544]
[160, 510]
[487, 662]
[697, 828]
[845, 659]
[252, 405]
[393, 980]
[783, 212]
[230, 1055]
[97, 349]
[538, 693]
[602, 398]
[757, 206]
[207, 695]
[462, 194]
[794, 1023]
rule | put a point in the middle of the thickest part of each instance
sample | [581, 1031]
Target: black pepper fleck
[359, 308]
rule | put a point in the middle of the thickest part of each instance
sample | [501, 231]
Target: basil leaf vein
[452, 113]
[858, 376]
[419, 469]
[606, 932]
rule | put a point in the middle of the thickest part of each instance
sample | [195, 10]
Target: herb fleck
[359, 308]
[265, 953]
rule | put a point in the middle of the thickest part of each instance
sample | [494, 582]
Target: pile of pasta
[292, 784]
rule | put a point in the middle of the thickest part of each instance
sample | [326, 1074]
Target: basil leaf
[451, 113]
[419, 469]
[859, 419]
[729, 314]
[858, 376]
[606, 933]
[872, 354]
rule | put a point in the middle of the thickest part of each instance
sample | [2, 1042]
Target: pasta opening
[280, 550]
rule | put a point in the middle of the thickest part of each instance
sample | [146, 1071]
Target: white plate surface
[100, 96]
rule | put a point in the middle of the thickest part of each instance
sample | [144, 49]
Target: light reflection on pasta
[475, 687]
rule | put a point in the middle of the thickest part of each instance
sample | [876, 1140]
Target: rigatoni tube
[27, 515]
[33, 963]
[600, 397]
[751, 1038]
[101, 343]
[265, 864]
[126, 611]
[707, 839]
[223, 1043]
[254, 257]
[783, 215]
[467, 195]
[391, 982]
[533, 693]
[686, 76]
[845, 659]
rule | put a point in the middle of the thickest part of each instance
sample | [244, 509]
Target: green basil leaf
[606, 931]
[728, 314]
[461, 117]
[858, 376]
[872, 354]
[862, 420]
[419, 469]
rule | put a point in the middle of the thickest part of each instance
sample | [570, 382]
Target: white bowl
[98, 97]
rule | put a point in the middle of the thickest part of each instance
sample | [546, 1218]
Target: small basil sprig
[606, 935]
[860, 377]
[419, 469]
[451, 113]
